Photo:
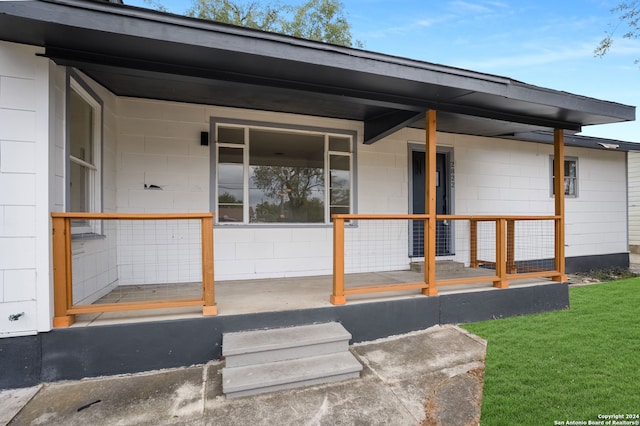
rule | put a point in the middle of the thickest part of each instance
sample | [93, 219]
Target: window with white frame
[84, 146]
[570, 176]
[269, 175]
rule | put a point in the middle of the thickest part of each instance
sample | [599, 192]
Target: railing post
[559, 251]
[473, 243]
[338, 297]
[62, 279]
[501, 255]
[430, 257]
[209, 306]
[511, 247]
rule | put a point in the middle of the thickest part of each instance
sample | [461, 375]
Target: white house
[634, 201]
[114, 109]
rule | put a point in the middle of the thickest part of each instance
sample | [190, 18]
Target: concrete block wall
[596, 221]
[499, 176]
[156, 252]
[159, 144]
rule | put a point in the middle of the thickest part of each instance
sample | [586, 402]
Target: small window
[266, 175]
[570, 177]
[83, 173]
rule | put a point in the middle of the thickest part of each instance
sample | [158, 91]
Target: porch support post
[208, 291]
[338, 296]
[558, 189]
[430, 206]
[62, 280]
[501, 254]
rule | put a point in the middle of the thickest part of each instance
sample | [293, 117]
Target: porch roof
[148, 54]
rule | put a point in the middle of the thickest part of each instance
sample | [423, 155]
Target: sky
[546, 43]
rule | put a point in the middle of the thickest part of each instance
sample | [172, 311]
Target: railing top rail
[130, 216]
[494, 217]
[439, 217]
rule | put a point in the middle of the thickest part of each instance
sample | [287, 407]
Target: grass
[568, 365]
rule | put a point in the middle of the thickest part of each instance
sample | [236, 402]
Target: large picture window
[84, 133]
[267, 175]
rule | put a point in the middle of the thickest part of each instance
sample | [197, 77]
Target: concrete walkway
[431, 377]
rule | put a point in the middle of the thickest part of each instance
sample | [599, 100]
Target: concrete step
[264, 346]
[308, 371]
[441, 266]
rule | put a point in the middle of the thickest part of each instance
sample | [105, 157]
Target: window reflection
[230, 185]
[269, 175]
[286, 175]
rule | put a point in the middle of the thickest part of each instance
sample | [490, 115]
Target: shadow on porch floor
[276, 294]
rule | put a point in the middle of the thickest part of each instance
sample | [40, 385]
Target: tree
[628, 15]
[293, 190]
[319, 20]
[250, 15]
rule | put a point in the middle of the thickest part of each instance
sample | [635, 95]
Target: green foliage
[155, 4]
[252, 15]
[294, 187]
[226, 198]
[319, 20]
[628, 16]
[565, 365]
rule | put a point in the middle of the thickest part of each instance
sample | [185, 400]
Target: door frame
[450, 203]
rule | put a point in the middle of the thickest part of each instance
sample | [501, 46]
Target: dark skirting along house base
[74, 353]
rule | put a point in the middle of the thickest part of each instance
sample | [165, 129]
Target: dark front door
[443, 231]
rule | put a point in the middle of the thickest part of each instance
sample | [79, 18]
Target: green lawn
[568, 365]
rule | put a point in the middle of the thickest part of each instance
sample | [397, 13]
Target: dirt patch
[601, 276]
[456, 400]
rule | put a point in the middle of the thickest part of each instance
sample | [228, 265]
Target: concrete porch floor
[278, 294]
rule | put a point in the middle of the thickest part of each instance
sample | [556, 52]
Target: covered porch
[280, 295]
[162, 83]
[493, 253]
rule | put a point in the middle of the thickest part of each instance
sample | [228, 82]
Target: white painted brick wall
[492, 177]
[525, 188]
[159, 144]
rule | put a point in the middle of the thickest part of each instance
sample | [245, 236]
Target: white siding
[24, 190]
[634, 201]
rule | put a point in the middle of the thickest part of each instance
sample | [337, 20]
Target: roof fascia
[144, 23]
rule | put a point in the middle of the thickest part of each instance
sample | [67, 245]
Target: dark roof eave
[580, 141]
[157, 30]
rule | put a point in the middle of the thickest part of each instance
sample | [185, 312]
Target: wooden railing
[504, 265]
[64, 308]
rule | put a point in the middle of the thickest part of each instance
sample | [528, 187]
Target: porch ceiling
[147, 54]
